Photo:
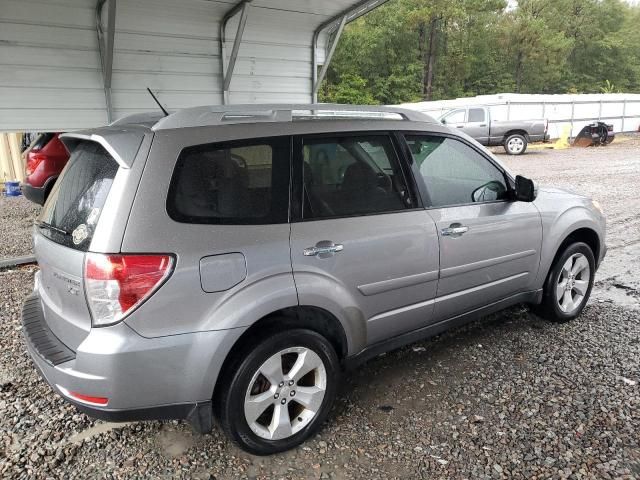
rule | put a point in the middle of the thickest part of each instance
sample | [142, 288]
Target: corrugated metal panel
[50, 71]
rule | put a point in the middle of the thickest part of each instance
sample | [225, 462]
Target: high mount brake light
[117, 284]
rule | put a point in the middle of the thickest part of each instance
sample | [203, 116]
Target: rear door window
[476, 115]
[244, 182]
[352, 175]
[72, 211]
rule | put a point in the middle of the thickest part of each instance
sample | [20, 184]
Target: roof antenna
[166, 114]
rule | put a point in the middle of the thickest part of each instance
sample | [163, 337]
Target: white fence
[562, 111]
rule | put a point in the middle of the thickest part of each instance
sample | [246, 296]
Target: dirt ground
[510, 396]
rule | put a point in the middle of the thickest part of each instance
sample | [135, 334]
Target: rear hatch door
[64, 232]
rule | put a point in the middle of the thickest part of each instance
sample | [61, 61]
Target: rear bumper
[538, 138]
[142, 378]
[35, 194]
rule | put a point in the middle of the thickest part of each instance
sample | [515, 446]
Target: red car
[45, 160]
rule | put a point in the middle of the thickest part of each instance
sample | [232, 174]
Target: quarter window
[454, 173]
[354, 175]
[234, 183]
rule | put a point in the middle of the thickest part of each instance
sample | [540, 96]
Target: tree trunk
[430, 61]
[519, 67]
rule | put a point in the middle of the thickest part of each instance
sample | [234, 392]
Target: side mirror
[525, 189]
[443, 121]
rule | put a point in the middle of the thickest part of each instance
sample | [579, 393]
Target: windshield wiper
[51, 227]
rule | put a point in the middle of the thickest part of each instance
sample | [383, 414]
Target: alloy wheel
[573, 283]
[286, 393]
[515, 145]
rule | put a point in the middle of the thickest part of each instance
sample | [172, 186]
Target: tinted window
[457, 116]
[352, 176]
[476, 115]
[455, 173]
[42, 140]
[76, 201]
[232, 183]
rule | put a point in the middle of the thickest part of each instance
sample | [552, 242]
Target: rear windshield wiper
[51, 227]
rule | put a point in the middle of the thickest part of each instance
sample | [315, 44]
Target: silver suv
[232, 262]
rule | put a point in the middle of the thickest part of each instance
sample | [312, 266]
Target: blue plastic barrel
[12, 189]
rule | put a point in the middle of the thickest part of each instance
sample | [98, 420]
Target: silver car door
[477, 125]
[489, 244]
[362, 246]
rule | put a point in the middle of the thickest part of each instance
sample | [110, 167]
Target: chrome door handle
[454, 230]
[323, 249]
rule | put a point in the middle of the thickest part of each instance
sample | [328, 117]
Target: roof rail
[255, 113]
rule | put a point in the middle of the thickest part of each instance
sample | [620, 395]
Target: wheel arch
[582, 234]
[515, 132]
[309, 317]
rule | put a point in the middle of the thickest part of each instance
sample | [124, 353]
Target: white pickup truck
[513, 135]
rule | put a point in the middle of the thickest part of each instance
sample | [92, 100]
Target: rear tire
[568, 284]
[515, 144]
[279, 392]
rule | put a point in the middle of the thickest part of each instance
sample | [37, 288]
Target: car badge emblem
[80, 234]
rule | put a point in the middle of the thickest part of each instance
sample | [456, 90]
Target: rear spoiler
[121, 143]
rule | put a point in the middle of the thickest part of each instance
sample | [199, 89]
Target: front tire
[280, 393]
[569, 284]
[515, 144]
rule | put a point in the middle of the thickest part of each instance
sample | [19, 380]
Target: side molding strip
[395, 283]
[470, 267]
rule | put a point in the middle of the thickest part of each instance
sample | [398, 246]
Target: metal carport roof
[67, 64]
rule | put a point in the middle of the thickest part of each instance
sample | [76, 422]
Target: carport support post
[600, 110]
[318, 81]
[227, 71]
[573, 110]
[105, 46]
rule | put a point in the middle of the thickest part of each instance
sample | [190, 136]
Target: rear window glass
[71, 213]
[42, 140]
[232, 183]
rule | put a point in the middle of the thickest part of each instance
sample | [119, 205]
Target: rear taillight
[34, 159]
[117, 284]
[609, 128]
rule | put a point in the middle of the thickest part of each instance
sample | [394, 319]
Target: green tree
[410, 50]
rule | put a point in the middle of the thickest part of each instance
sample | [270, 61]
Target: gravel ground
[16, 219]
[610, 175]
[510, 396]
